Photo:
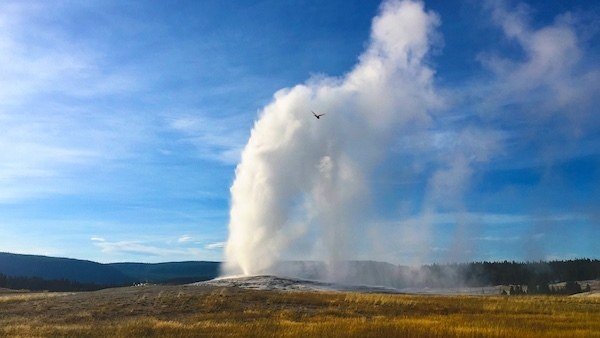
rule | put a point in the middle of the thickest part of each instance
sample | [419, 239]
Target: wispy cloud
[498, 238]
[215, 139]
[553, 80]
[49, 131]
[214, 246]
[34, 63]
[492, 218]
[143, 249]
[185, 239]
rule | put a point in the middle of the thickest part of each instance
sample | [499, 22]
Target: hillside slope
[61, 268]
[172, 272]
[53, 268]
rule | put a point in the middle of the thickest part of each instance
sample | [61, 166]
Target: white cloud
[492, 218]
[38, 58]
[216, 245]
[185, 239]
[51, 152]
[143, 249]
[53, 129]
[498, 238]
[552, 79]
[215, 139]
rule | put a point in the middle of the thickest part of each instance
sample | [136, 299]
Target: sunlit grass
[194, 311]
[22, 297]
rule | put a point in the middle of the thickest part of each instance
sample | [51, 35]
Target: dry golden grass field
[191, 311]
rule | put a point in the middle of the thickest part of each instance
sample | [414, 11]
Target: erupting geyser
[300, 177]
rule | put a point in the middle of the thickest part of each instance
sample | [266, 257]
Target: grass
[186, 311]
[26, 296]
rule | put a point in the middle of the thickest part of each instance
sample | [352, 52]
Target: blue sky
[121, 124]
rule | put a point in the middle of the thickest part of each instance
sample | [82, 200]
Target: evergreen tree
[572, 288]
[544, 289]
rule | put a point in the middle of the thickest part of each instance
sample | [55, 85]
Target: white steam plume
[303, 177]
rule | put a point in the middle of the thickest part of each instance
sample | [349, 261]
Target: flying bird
[318, 116]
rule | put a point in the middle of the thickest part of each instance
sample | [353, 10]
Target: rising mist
[300, 177]
[304, 187]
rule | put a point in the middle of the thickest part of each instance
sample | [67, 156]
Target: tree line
[40, 284]
[528, 273]
[537, 274]
[570, 288]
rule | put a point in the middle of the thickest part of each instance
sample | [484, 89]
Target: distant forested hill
[82, 271]
[173, 272]
[54, 268]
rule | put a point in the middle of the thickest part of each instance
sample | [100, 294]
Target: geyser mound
[275, 283]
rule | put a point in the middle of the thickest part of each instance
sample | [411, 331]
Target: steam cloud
[304, 186]
[302, 177]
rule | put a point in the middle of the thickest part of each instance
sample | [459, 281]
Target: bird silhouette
[318, 116]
